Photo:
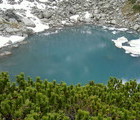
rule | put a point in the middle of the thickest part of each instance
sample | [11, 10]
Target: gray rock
[11, 2]
[1, 12]
[72, 11]
[1, 19]
[38, 13]
[136, 27]
[10, 13]
[2, 27]
[11, 30]
[96, 11]
[40, 16]
[113, 22]
[47, 14]
[27, 31]
[13, 20]
[28, 22]
[1, 33]
[5, 53]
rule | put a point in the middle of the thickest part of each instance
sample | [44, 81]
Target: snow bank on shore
[133, 47]
[5, 41]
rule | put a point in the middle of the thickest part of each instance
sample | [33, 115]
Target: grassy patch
[136, 8]
[130, 8]
[135, 5]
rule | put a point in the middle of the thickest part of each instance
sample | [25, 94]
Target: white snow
[74, 18]
[63, 22]
[5, 41]
[133, 48]
[87, 16]
[43, 0]
[114, 32]
[120, 41]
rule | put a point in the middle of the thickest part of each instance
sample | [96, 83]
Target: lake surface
[73, 55]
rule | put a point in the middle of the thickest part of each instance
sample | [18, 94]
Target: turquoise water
[74, 55]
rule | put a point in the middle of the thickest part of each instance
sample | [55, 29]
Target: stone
[11, 30]
[96, 11]
[5, 53]
[1, 19]
[13, 20]
[27, 31]
[136, 27]
[113, 22]
[40, 16]
[10, 13]
[72, 11]
[2, 27]
[28, 22]
[47, 14]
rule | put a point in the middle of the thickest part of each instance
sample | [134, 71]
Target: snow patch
[114, 32]
[133, 46]
[5, 41]
[74, 18]
[87, 16]
[43, 0]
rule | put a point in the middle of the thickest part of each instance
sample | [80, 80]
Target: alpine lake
[73, 55]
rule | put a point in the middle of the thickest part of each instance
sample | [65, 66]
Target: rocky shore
[21, 18]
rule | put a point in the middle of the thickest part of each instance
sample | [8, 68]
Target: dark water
[74, 55]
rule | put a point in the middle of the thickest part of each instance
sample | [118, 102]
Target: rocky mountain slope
[20, 18]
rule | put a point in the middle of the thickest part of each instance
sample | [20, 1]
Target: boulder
[2, 27]
[28, 22]
[1, 19]
[12, 20]
[10, 14]
[26, 31]
[136, 27]
[11, 30]
[47, 14]
[113, 22]
[72, 11]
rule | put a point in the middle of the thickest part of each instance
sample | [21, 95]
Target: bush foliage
[42, 100]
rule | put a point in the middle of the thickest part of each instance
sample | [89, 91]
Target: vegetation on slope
[135, 5]
[42, 100]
